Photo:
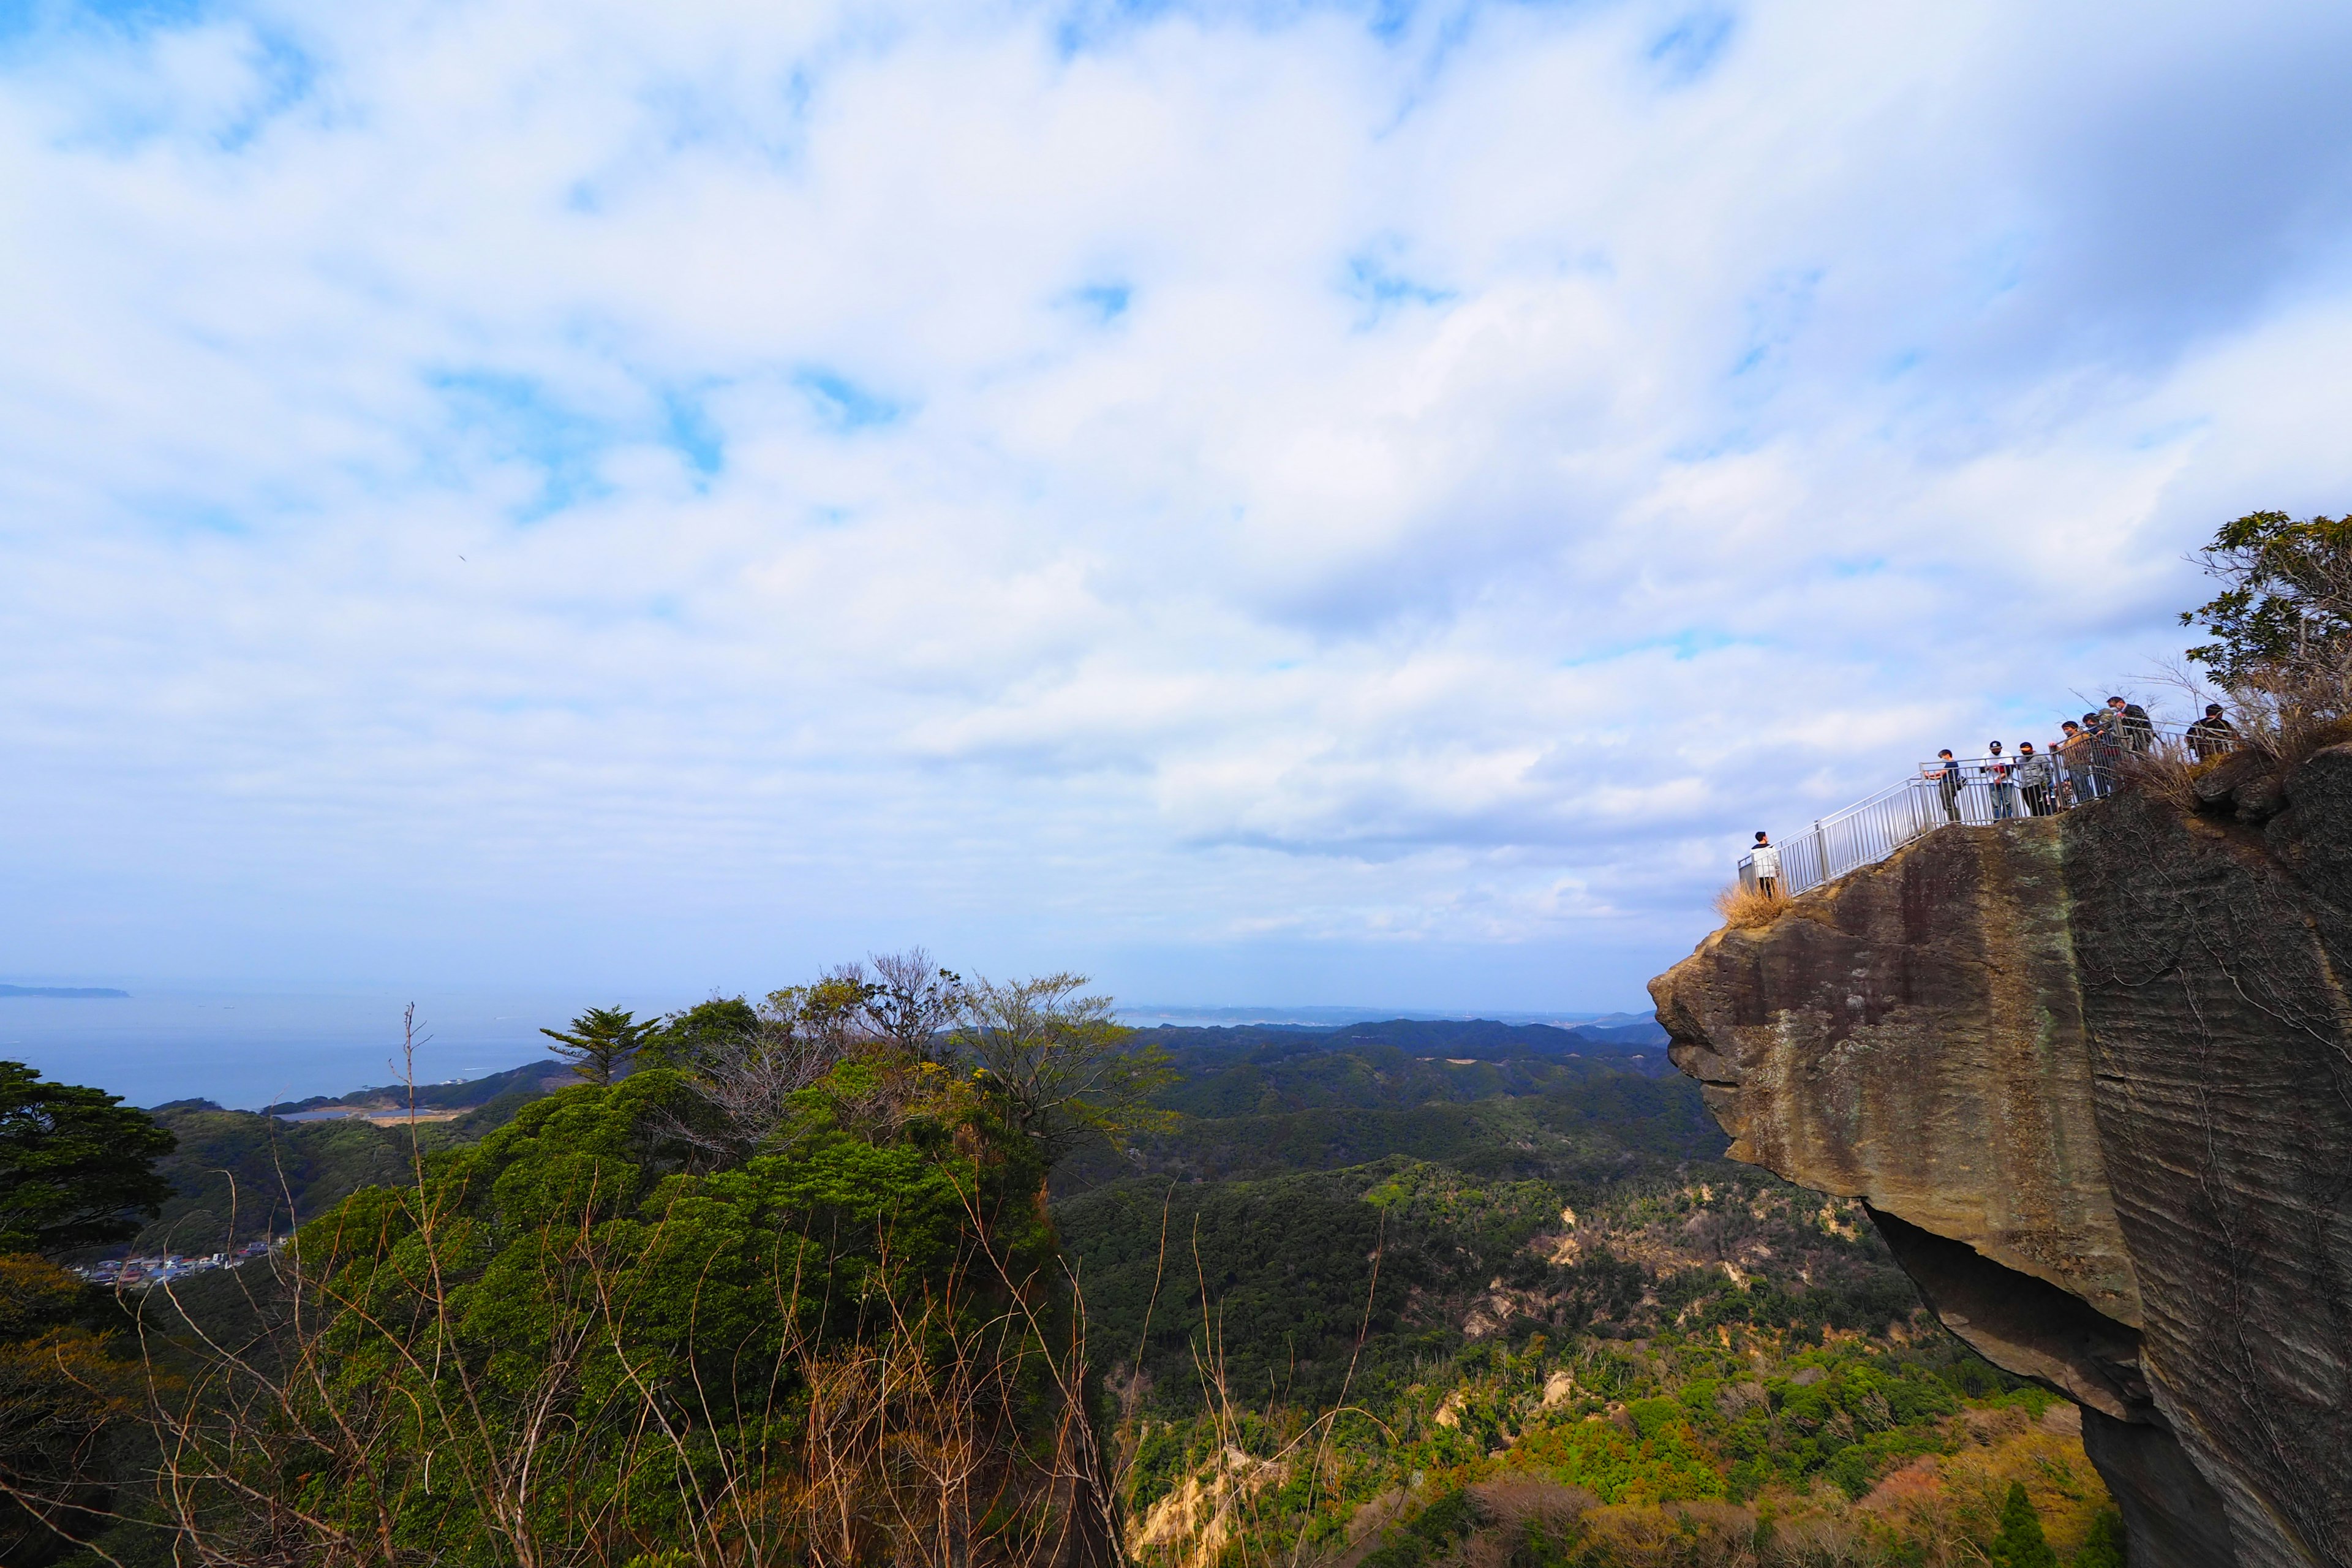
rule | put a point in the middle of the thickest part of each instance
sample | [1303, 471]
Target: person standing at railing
[1946, 774]
[1766, 862]
[1995, 770]
[2075, 751]
[2036, 777]
[2106, 748]
[2213, 735]
[2134, 728]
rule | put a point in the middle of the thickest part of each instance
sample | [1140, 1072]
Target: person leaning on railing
[2106, 748]
[2036, 776]
[2213, 735]
[2076, 750]
[2134, 729]
[1946, 774]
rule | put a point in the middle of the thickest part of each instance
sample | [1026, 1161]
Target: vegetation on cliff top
[787, 1292]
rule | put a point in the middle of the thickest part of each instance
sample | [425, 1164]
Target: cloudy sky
[1265, 503]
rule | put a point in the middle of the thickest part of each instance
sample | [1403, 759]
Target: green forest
[892, 1267]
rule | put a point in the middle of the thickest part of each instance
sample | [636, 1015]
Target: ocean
[247, 1049]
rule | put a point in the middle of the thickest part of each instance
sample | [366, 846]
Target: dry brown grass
[2281, 717]
[1745, 909]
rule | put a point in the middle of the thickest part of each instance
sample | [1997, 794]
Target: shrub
[1745, 909]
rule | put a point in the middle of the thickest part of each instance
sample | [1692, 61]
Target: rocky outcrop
[2092, 1076]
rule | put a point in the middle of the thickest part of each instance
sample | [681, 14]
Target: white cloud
[1151, 491]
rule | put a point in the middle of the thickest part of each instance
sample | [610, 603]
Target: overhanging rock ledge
[2093, 1075]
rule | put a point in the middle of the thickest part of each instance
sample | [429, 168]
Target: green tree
[577, 1339]
[601, 1041]
[706, 1032]
[1069, 1073]
[2020, 1543]
[2286, 604]
[77, 1165]
[2103, 1546]
[828, 1014]
[64, 1389]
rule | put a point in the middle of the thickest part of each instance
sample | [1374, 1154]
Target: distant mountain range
[74, 991]
[1148, 1015]
[526, 1082]
[1637, 1044]
[1457, 1039]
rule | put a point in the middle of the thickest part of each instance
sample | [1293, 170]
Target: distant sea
[247, 1049]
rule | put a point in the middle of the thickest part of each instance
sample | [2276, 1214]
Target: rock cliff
[2092, 1076]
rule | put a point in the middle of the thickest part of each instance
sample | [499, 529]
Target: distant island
[61, 991]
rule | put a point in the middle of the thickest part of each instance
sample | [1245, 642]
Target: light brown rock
[2094, 1078]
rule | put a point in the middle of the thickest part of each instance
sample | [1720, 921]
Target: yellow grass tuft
[1747, 907]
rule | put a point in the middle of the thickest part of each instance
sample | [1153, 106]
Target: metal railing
[1972, 791]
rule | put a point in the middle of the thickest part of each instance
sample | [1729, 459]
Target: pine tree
[2104, 1547]
[2020, 1543]
[601, 1043]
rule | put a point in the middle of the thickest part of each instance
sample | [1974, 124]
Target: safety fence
[1949, 792]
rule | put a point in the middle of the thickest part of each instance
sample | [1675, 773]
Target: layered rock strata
[2092, 1076]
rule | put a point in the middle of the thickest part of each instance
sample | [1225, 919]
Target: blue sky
[1265, 503]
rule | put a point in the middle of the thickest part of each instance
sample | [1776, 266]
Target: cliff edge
[2092, 1076]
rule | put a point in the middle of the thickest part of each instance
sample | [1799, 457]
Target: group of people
[2080, 766]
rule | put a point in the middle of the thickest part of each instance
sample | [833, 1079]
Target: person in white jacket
[1766, 863]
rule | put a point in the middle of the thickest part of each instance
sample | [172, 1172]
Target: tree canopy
[1069, 1072]
[77, 1165]
[2286, 602]
[601, 1042]
[2021, 1544]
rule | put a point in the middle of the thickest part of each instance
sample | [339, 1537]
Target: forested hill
[1384, 1295]
[1252, 1100]
[1527, 1101]
[1567, 1329]
[1479, 1039]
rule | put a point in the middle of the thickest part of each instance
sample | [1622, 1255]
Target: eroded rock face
[2094, 1076]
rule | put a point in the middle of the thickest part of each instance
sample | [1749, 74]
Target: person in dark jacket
[2134, 728]
[2213, 735]
[1946, 774]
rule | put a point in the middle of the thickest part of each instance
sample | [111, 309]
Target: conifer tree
[2103, 1546]
[2020, 1543]
[601, 1043]
[77, 1165]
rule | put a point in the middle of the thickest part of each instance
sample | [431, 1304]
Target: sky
[1352, 504]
